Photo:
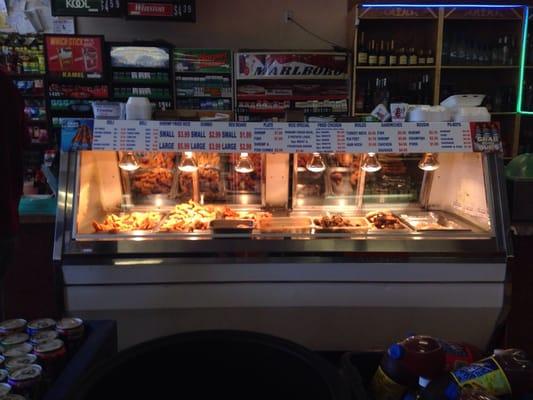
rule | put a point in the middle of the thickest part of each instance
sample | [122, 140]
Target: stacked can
[5, 389]
[52, 357]
[26, 381]
[71, 331]
[20, 362]
[13, 326]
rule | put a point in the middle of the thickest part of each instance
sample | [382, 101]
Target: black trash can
[215, 365]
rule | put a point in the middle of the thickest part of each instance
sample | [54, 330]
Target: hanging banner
[292, 65]
[87, 8]
[269, 137]
[74, 57]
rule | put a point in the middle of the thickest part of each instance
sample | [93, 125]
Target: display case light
[244, 165]
[316, 164]
[371, 163]
[429, 162]
[128, 162]
[188, 163]
[440, 5]
[520, 99]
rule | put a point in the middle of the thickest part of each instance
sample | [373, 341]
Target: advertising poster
[292, 66]
[209, 61]
[486, 137]
[74, 57]
[76, 134]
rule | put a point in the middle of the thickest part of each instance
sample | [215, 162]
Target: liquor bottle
[360, 101]
[512, 52]
[382, 55]
[402, 57]
[499, 51]
[413, 58]
[453, 52]
[393, 57]
[421, 57]
[372, 54]
[362, 52]
[368, 97]
[430, 59]
[505, 51]
[445, 52]
[461, 52]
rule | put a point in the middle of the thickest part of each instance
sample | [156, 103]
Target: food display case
[326, 248]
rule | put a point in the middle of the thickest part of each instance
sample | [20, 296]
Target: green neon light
[522, 62]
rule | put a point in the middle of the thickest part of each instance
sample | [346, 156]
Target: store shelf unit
[203, 79]
[270, 84]
[469, 57]
[142, 69]
[23, 57]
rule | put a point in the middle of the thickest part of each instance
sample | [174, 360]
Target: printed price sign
[175, 10]
[271, 137]
[87, 8]
[299, 138]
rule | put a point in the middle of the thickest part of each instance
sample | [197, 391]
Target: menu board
[291, 137]
[87, 8]
[208, 61]
[74, 57]
[175, 10]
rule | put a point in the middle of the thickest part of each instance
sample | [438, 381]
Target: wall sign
[74, 57]
[292, 66]
[175, 10]
[269, 137]
[87, 8]
[208, 61]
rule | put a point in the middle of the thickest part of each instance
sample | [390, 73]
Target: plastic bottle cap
[423, 382]
[396, 351]
[452, 391]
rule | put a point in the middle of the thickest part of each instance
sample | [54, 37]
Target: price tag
[300, 138]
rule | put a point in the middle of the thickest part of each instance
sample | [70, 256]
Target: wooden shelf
[393, 67]
[289, 98]
[477, 67]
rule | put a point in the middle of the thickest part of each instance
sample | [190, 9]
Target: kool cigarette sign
[87, 8]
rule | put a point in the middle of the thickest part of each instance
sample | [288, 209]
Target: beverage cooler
[333, 249]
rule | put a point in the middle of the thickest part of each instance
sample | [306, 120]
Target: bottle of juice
[505, 372]
[459, 354]
[404, 363]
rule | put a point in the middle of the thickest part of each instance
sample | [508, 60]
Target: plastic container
[507, 371]
[519, 174]
[214, 364]
[403, 364]
[138, 108]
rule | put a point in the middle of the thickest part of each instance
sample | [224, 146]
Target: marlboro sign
[292, 66]
[176, 10]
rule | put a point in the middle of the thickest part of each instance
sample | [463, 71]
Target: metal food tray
[415, 218]
[238, 226]
[363, 228]
[302, 225]
[404, 227]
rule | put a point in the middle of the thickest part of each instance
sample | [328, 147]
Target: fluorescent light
[522, 61]
[392, 5]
